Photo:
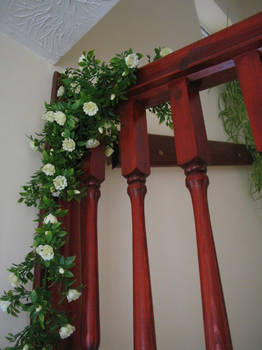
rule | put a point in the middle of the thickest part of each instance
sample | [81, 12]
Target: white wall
[24, 86]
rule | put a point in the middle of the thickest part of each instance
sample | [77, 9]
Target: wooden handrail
[207, 62]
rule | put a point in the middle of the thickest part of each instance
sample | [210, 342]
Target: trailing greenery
[83, 117]
[236, 124]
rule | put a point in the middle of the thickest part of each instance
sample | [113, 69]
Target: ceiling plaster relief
[50, 28]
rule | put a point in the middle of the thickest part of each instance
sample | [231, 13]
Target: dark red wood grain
[217, 333]
[249, 72]
[94, 174]
[211, 58]
[135, 167]
[189, 128]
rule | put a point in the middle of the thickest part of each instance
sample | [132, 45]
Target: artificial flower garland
[83, 116]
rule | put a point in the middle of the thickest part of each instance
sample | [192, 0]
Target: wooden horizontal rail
[163, 154]
[206, 63]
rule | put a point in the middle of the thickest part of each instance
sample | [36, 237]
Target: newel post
[136, 167]
[94, 174]
[193, 154]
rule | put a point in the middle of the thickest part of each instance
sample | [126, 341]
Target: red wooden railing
[231, 53]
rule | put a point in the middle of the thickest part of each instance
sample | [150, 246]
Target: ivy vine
[237, 126]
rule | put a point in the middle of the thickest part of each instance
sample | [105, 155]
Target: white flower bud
[38, 309]
[165, 51]
[13, 280]
[33, 146]
[50, 219]
[109, 151]
[66, 331]
[61, 271]
[92, 143]
[73, 294]
[60, 91]
[81, 58]
[4, 305]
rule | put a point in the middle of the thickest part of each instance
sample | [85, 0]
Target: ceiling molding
[50, 28]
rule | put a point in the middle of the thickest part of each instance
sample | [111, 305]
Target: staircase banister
[199, 61]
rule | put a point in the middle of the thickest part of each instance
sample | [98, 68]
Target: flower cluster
[83, 117]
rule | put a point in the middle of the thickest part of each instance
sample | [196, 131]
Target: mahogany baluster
[136, 167]
[94, 174]
[192, 154]
[249, 72]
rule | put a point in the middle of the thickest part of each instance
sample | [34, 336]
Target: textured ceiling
[50, 27]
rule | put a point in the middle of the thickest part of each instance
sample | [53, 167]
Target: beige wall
[238, 10]
[24, 86]
[236, 220]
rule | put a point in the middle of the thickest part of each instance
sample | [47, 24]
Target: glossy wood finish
[217, 333]
[135, 167]
[192, 154]
[163, 154]
[94, 174]
[211, 58]
[249, 72]
[190, 133]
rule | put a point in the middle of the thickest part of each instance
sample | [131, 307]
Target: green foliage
[236, 124]
[83, 116]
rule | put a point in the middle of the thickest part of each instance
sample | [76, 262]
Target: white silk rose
[66, 331]
[90, 108]
[60, 91]
[50, 219]
[13, 280]
[45, 251]
[49, 116]
[69, 145]
[165, 51]
[60, 118]
[132, 60]
[4, 305]
[48, 169]
[73, 294]
[60, 182]
[92, 143]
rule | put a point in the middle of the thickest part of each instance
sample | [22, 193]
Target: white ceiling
[50, 27]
